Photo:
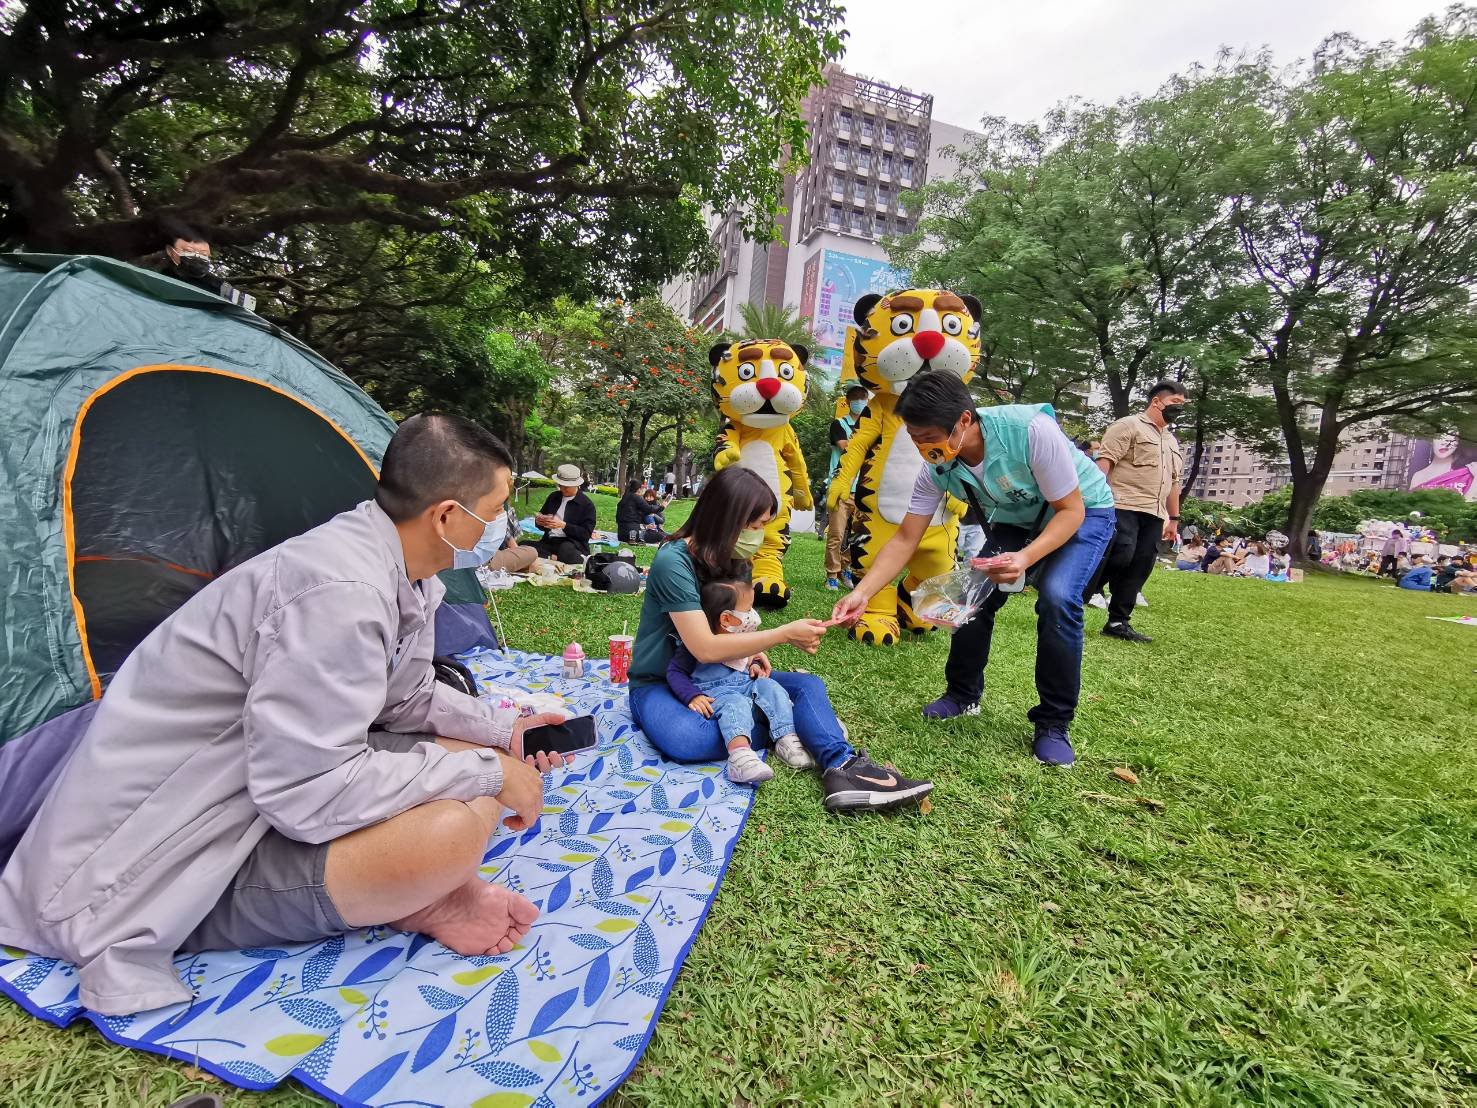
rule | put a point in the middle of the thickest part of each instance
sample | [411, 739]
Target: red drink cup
[620, 658]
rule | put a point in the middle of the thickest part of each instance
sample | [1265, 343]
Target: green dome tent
[155, 436]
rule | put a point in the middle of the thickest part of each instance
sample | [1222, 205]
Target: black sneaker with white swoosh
[861, 785]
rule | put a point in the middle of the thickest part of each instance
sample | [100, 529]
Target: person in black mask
[1144, 464]
[187, 258]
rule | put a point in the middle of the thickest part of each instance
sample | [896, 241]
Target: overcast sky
[1018, 58]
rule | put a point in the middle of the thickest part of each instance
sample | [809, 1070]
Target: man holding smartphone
[1046, 504]
[276, 762]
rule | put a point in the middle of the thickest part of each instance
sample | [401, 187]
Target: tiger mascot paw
[770, 593]
[907, 618]
[875, 630]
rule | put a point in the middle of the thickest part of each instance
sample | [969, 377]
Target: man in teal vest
[1046, 505]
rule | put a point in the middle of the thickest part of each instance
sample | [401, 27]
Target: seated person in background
[1418, 577]
[1257, 563]
[514, 557]
[1190, 555]
[655, 513]
[630, 513]
[733, 690]
[1446, 573]
[1212, 552]
[1225, 564]
[567, 519]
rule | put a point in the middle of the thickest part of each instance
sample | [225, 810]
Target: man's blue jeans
[685, 736]
[1064, 574]
[735, 696]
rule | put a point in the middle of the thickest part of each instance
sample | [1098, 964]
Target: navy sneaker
[1053, 745]
[947, 707]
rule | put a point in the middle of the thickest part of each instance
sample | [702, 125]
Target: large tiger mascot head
[899, 334]
[759, 382]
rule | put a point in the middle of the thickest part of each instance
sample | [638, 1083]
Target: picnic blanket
[597, 538]
[625, 863]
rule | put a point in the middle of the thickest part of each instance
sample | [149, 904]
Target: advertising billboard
[831, 285]
[1448, 462]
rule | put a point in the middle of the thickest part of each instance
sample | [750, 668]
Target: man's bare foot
[477, 918]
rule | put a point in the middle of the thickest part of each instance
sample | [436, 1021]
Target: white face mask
[489, 544]
[748, 621]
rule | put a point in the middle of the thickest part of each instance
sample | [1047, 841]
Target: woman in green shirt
[725, 531]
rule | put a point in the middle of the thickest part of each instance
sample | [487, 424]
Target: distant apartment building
[870, 144]
[1232, 474]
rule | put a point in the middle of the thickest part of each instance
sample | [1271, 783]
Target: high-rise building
[870, 144]
[1231, 473]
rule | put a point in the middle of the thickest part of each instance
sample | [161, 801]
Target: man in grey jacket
[276, 762]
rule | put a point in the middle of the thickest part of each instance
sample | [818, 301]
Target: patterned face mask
[748, 621]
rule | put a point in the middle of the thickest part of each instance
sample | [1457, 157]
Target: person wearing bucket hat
[567, 519]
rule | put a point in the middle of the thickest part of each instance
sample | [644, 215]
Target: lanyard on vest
[985, 516]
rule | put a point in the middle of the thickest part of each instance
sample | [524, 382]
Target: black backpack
[451, 672]
[595, 572]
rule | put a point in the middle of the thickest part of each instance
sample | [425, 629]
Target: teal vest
[850, 424]
[1009, 492]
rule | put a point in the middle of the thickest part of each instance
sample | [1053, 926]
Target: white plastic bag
[951, 600]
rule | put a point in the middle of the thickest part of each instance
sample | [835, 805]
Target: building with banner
[871, 145]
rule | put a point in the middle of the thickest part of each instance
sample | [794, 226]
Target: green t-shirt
[671, 586]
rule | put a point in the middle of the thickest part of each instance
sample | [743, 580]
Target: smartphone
[570, 737]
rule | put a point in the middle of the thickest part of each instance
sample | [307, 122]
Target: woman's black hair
[722, 593]
[631, 486]
[730, 502]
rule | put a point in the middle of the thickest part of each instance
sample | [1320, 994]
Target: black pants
[561, 550]
[1128, 563]
[1388, 562]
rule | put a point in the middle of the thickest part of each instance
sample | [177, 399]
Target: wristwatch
[1176, 519]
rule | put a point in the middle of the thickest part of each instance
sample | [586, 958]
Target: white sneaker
[1140, 602]
[1098, 600]
[745, 768]
[790, 751]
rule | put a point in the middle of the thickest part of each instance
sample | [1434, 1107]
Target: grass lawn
[1296, 925]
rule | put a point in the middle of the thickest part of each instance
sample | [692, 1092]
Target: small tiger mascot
[758, 384]
[896, 336]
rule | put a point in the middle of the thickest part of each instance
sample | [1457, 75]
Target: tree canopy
[1298, 246]
[575, 142]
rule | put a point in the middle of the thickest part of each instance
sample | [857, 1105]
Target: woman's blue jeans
[685, 736]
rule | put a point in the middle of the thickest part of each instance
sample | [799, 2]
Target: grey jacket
[248, 708]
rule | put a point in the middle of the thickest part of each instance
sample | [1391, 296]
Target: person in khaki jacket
[276, 762]
[1144, 464]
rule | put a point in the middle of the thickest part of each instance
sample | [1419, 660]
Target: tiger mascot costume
[758, 384]
[896, 336]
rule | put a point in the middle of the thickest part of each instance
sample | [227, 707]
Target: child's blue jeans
[735, 696]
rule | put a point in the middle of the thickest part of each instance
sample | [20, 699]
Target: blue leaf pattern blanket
[624, 862]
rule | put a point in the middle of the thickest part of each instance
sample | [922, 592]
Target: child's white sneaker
[745, 768]
[790, 751]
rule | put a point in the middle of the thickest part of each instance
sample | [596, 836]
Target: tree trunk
[681, 470]
[1192, 471]
[1307, 488]
[623, 456]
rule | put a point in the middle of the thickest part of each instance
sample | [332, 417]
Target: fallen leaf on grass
[1155, 806]
[1050, 906]
[1126, 775]
[925, 806]
[194, 1073]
